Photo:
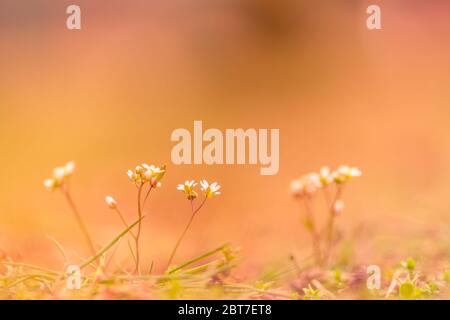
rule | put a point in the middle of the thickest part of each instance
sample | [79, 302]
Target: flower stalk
[80, 222]
[143, 175]
[304, 190]
[209, 191]
[60, 181]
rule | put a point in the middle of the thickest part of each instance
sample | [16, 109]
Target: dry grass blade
[29, 266]
[60, 248]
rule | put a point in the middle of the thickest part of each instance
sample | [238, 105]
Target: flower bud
[338, 206]
[111, 202]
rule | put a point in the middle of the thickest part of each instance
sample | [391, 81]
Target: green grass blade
[112, 243]
[201, 257]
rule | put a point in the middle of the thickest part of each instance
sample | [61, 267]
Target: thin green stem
[312, 229]
[113, 242]
[147, 195]
[199, 258]
[138, 234]
[77, 215]
[327, 195]
[124, 222]
[193, 212]
[330, 225]
[179, 240]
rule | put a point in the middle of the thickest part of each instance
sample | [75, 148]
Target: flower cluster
[305, 188]
[147, 173]
[60, 176]
[310, 183]
[209, 190]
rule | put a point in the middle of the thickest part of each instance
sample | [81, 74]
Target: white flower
[312, 183]
[349, 171]
[130, 174]
[111, 202]
[296, 187]
[210, 190]
[325, 176]
[139, 169]
[50, 184]
[355, 172]
[152, 168]
[152, 171]
[59, 172]
[188, 189]
[134, 177]
[309, 184]
[187, 186]
[344, 173]
[69, 168]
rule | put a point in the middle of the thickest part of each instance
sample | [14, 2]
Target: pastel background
[109, 96]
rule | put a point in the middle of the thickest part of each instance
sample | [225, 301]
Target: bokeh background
[109, 96]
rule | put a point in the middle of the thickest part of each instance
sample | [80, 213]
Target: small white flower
[133, 176]
[296, 187]
[49, 184]
[349, 171]
[188, 189]
[355, 172]
[139, 169]
[325, 176]
[70, 168]
[152, 172]
[130, 174]
[312, 183]
[188, 185]
[59, 172]
[344, 173]
[111, 202]
[306, 185]
[210, 190]
[156, 170]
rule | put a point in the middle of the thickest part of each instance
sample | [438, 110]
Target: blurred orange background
[109, 96]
